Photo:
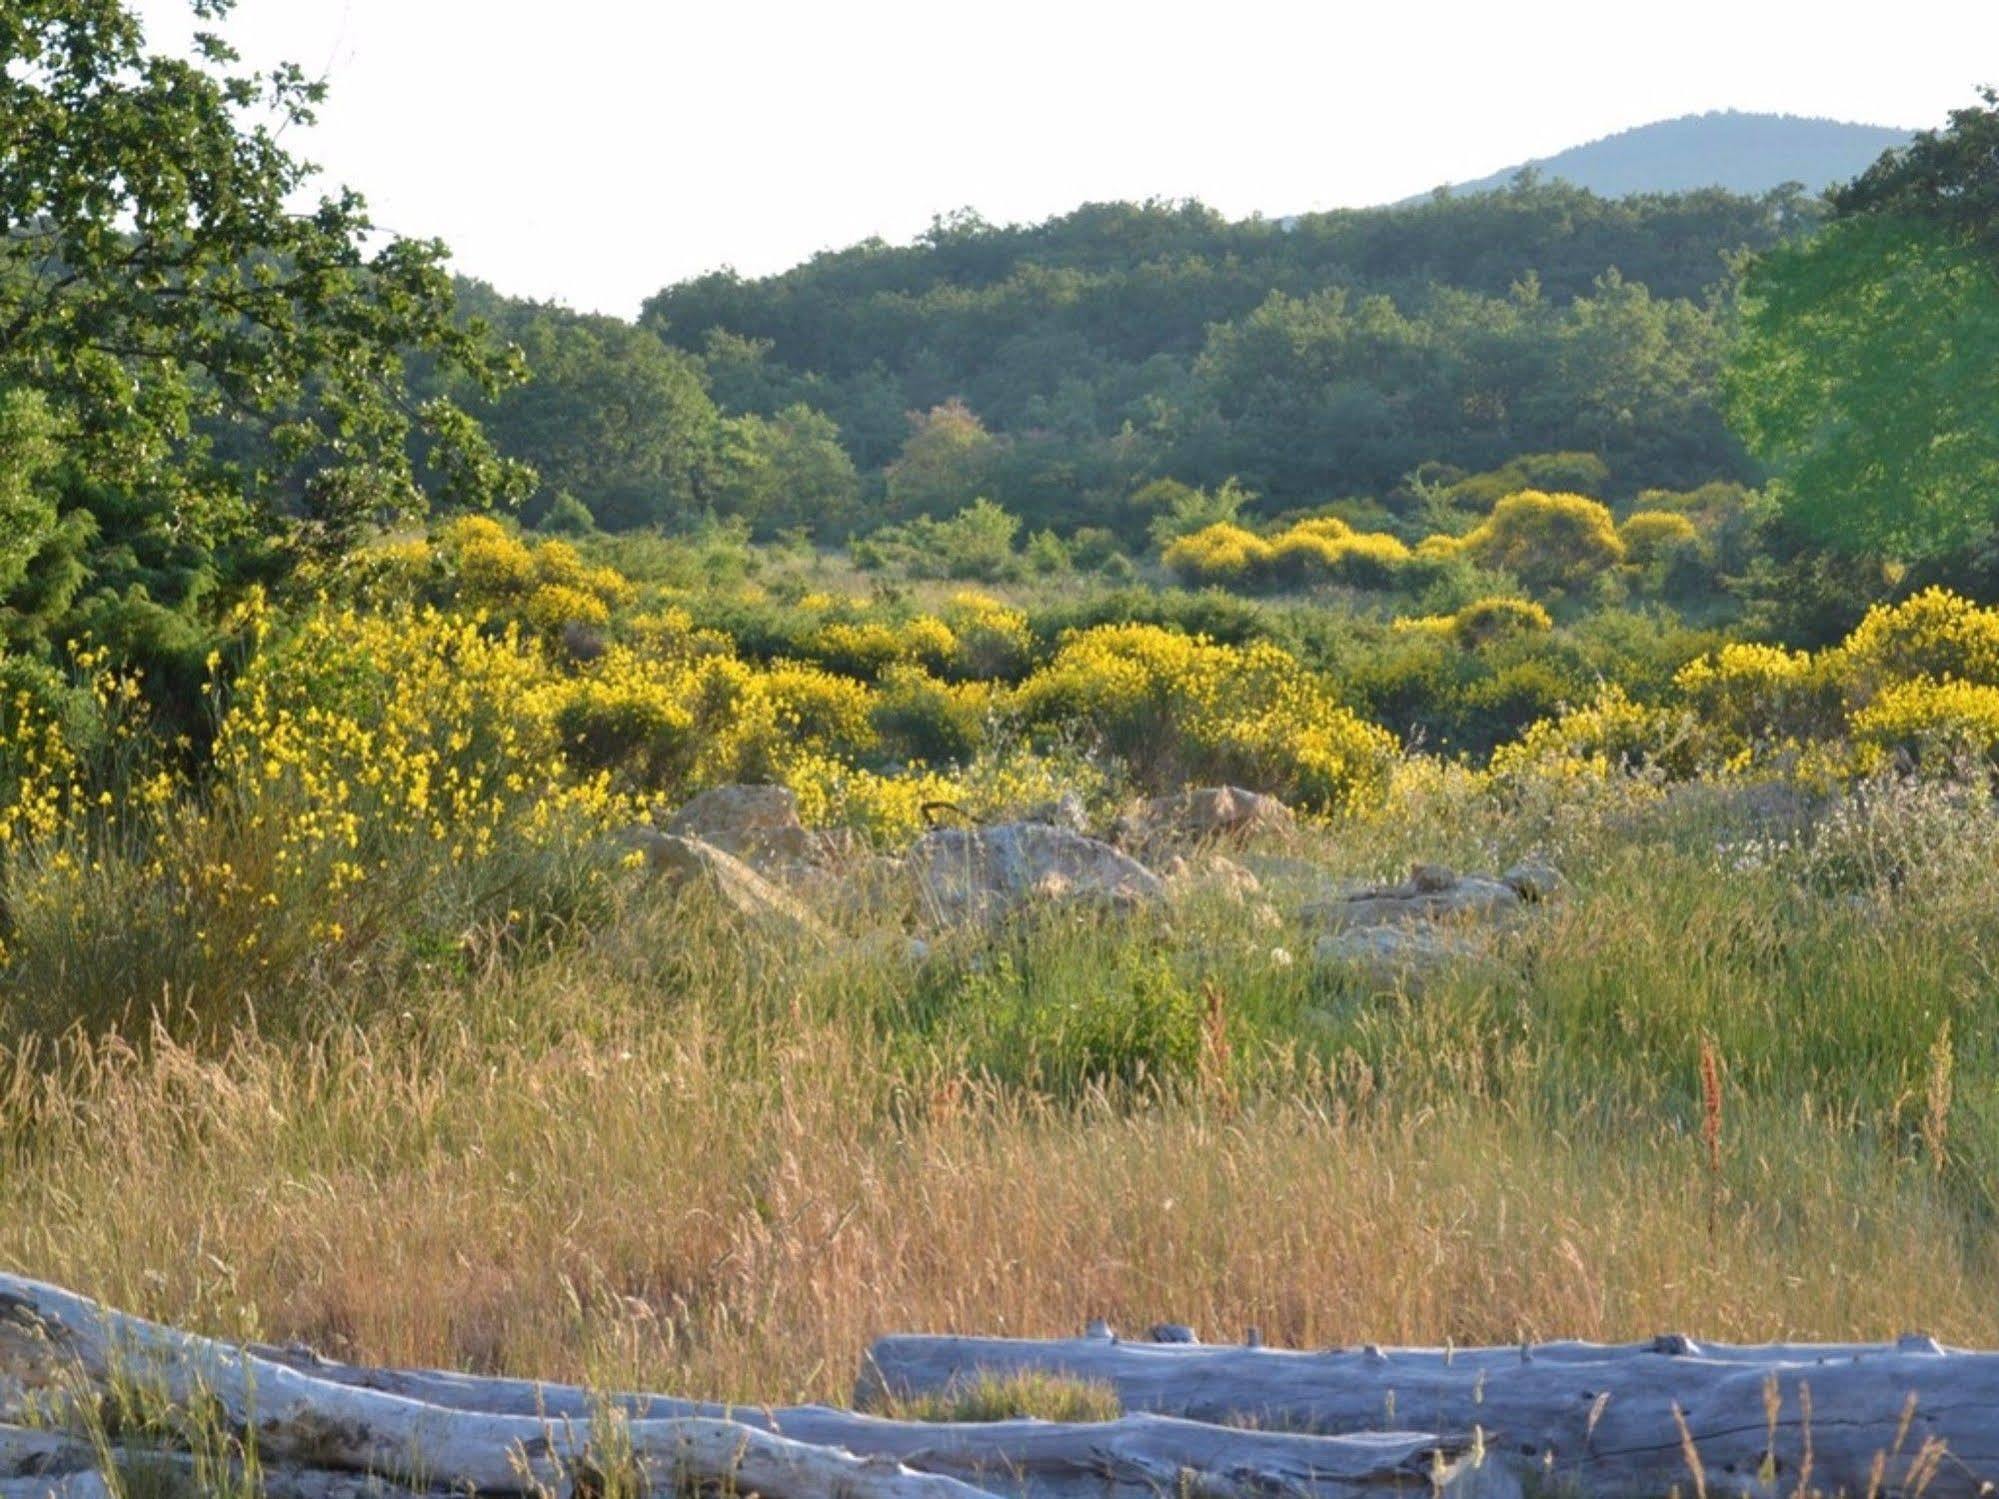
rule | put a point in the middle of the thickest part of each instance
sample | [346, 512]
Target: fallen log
[1140, 1454]
[50, 1337]
[36, 1463]
[318, 1423]
[1624, 1420]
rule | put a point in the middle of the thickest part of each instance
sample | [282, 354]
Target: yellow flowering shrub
[919, 717]
[1181, 708]
[1935, 633]
[1547, 541]
[1485, 620]
[1745, 694]
[546, 585]
[869, 647]
[1931, 720]
[404, 724]
[1609, 735]
[1324, 549]
[1649, 535]
[1223, 553]
[992, 639]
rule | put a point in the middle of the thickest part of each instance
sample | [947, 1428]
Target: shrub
[1931, 722]
[917, 717]
[1652, 535]
[1486, 620]
[992, 640]
[1179, 708]
[1224, 553]
[1744, 695]
[1935, 633]
[1548, 541]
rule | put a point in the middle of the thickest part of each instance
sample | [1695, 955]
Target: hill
[1732, 149]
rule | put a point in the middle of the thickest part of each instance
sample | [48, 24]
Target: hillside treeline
[1056, 368]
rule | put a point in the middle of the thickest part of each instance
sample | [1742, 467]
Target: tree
[27, 507]
[608, 413]
[942, 464]
[787, 470]
[161, 293]
[1868, 374]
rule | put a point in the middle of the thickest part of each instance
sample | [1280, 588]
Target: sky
[592, 151]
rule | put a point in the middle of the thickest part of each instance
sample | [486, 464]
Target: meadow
[352, 1021]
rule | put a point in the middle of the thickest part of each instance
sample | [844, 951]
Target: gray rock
[688, 862]
[1469, 899]
[1205, 814]
[1534, 881]
[1388, 952]
[983, 874]
[757, 824]
[1064, 811]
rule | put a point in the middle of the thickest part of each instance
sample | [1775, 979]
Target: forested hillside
[1058, 367]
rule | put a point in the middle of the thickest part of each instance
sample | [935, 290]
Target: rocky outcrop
[757, 824]
[1433, 917]
[1205, 814]
[981, 875]
[1212, 875]
[691, 863]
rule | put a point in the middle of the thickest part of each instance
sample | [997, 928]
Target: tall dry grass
[1700, 1095]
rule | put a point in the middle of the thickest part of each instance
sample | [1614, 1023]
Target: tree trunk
[49, 1336]
[1631, 1420]
[316, 1424]
[1142, 1454]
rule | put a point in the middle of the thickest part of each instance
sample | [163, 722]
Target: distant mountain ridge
[1734, 149]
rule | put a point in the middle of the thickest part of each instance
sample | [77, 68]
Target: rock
[1388, 952]
[757, 824]
[686, 862]
[1205, 814]
[1210, 874]
[1467, 899]
[1432, 879]
[1534, 881]
[1172, 1332]
[983, 874]
[1064, 811]
[1435, 916]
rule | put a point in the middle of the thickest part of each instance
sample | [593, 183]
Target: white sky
[592, 151]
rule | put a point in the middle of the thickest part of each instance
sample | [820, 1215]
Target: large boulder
[1434, 917]
[1387, 953]
[1431, 894]
[983, 874]
[1205, 814]
[691, 863]
[757, 824]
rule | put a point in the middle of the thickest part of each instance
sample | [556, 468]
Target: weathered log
[48, 1337]
[1142, 1454]
[1632, 1419]
[38, 1462]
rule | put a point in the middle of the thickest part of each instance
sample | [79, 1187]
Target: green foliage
[27, 506]
[787, 470]
[943, 462]
[608, 413]
[1869, 371]
[186, 326]
[1868, 377]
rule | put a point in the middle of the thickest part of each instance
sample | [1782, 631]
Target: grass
[1711, 1091]
[1004, 1397]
